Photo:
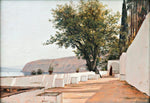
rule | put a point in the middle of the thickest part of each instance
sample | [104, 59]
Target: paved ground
[105, 90]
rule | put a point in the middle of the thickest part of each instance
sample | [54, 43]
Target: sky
[25, 27]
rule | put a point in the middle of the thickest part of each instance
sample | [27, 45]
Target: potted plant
[77, 70]
[33, 72]
[39, 71]
[50, 70]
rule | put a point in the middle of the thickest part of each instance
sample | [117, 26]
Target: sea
[8, 71]
[5, 72]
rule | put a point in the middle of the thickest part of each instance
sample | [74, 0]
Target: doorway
[110, 71]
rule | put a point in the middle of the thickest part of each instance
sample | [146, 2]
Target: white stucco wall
[115, 66]
[138, 59]
[122, 66]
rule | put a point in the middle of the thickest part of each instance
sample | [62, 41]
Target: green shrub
[103, 69]
[39, 71]
[33, 72]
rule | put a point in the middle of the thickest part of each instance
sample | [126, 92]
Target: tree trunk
[97, 72]
[91, 64]
[90, 68]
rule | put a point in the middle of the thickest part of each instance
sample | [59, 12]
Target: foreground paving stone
[103, 90]
[118, 92]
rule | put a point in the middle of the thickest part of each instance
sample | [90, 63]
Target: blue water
[6, 71]
[11, 74]
[20, 73]
[17, 72]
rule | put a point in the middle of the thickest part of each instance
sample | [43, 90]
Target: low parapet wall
[138, 59]
[47, 81]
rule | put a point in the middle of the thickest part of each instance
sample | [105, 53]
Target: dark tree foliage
[138, 10]
[89, 27]
[123, 30]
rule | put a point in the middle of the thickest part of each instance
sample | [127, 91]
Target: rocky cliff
[67, 64]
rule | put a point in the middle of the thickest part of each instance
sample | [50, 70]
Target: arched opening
[110, 71]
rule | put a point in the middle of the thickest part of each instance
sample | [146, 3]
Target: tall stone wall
[138, 59]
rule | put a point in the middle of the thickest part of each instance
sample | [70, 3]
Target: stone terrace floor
[104, 90]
